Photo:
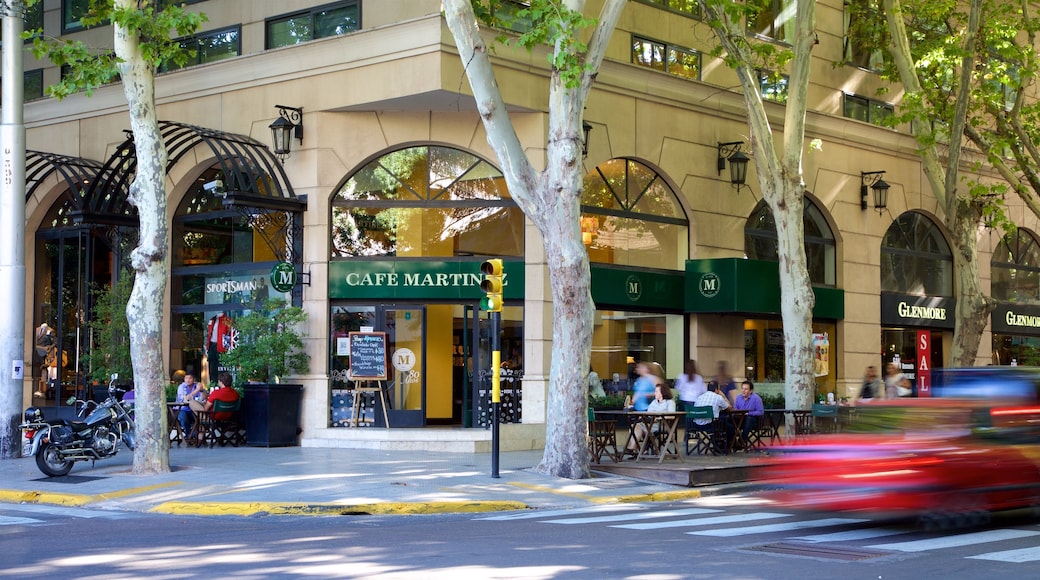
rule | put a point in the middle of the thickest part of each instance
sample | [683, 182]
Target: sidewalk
[319, 481]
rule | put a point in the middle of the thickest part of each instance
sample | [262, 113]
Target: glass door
[405, 328]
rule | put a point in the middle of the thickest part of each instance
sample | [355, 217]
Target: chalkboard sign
[368, 356]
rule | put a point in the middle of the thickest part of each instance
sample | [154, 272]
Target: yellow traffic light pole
[492, 302]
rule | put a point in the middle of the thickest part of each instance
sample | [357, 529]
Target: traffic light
[491, 285]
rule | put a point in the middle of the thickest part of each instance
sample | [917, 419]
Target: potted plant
[110, 352]
[269, 347]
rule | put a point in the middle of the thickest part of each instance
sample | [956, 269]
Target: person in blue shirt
[749, 401]
[646, 381]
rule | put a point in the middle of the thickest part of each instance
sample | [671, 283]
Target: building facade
[391, 198]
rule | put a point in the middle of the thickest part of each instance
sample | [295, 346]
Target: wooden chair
[704, 437]
[803, 423]
[229, 431]
[602, 438]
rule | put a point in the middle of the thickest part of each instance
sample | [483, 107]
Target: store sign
[627, 288]
[750, 287]
[924, 363]
[246, 290]
[283, 277]
[907, 310]
[383, 279]
[1022, 319]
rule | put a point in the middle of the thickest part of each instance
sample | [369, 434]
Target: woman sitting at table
[661, 403]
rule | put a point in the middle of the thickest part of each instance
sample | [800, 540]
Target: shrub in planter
[270, 344]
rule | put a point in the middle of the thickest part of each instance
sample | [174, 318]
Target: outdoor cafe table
[667, 422]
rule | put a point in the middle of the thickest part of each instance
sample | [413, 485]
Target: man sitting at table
[711, 398]
[224, 393]
[749, 401]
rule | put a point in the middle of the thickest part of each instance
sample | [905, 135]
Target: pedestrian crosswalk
[35, 514]
[999, 544]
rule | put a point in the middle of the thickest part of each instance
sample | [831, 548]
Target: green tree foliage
[110, 348]
[89, 67]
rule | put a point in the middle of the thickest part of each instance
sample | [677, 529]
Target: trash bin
[271, 413]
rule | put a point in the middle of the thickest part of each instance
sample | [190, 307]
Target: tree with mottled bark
[779, 173]
[142, 43]
[550, 198]
[939, 65]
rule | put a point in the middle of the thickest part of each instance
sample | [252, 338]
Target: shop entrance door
[405, 328]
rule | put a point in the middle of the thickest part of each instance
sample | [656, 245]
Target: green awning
[734, 285]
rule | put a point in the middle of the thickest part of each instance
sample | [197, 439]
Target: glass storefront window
[620, 339]
[760, 241]
[631, 217]
[1016, 268]
[426, 202]
[764, 356]
[915, 258]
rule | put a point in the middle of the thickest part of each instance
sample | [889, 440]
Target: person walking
[690, 385]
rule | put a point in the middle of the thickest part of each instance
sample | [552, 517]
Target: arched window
[1016, 268]
[915, 258]
[426, 201]
[631, 217]
[760, 242]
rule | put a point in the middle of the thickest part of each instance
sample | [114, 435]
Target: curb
[328, 509]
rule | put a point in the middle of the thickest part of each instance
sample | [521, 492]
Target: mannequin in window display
[47, 351]
[220, 338]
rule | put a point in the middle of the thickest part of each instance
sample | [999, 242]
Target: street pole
[12, 232]
[496, 389]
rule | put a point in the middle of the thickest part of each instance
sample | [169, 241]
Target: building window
[687, 7]
[774, 20]
[630, 216]
[423, 202]
[33, 19]
[321, 22]
[508, 15]
[1016, 268]
[915, 258]
[210, 47]
[680, 62]
[760, 242]
[866, 109]
[33, 84]
[865, 34]
[773, 86]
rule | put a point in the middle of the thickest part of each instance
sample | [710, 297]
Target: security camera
[214, 186]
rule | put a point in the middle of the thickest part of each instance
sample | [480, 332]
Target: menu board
[368, 356]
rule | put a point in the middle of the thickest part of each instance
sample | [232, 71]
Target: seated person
[749, 401]
[223, 392]
[662, 403]
[711, 398]
[192, 394]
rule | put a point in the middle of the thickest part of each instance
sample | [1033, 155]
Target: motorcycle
[57, 444]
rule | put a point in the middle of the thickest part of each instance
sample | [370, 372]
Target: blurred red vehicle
[945, 461]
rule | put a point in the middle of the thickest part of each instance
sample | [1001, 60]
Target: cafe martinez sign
[427, 280]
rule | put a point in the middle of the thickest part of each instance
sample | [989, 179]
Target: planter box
[271, 414]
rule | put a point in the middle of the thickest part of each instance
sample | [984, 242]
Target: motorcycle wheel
[50, 463]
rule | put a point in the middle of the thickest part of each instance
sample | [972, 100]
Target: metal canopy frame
[255, 178]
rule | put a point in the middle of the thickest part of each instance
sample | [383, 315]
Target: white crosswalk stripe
[955, 541]
[635, 516]
[16, 521]
[772, 528]
[713, 521]
[1012, 556]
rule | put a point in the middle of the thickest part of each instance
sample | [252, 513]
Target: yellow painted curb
[327, 509]
[67, 499]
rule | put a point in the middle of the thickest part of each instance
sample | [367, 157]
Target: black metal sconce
[738, 163]
[586, 128]
[289, 124]
[873, 181]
